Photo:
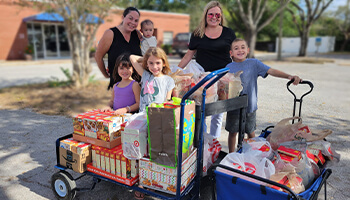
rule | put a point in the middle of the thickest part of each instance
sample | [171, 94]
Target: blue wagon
[64, 184]
[231, 187]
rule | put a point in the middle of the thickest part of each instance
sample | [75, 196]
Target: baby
[148, 40]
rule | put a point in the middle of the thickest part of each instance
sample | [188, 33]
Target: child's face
[155, 66]
[239, 51]
[147, 30]
[125, 72]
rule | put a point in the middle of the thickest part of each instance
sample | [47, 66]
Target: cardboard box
[97, 142]
[107, 162]
[164, 178]
[78, 125]
[289, 151]
[74, 161]
[104, 126]
[126, 181]
[118, 169]
[319, 155]
[125, 167]
[75, 146]
[98, 157]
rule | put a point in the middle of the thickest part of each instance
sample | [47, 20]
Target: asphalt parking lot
[27, 139]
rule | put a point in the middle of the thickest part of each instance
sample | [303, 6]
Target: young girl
[156, 85]
[126, 90]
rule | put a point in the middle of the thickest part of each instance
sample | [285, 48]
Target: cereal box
[98, 157]
[118, 169]
[107, 162]
[125, 167]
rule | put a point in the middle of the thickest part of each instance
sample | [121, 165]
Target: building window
[168, 37]
[48, 40]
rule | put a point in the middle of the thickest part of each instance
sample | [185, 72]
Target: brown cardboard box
[97, 142]
[74, 161]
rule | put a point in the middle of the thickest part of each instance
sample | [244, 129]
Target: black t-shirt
[120, 46]
[213, 54]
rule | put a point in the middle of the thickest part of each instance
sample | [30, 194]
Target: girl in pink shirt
[126, 90]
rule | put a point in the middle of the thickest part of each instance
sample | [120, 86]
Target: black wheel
[63, 185]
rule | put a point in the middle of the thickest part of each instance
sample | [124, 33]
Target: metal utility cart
[227, 186]
[64, 185]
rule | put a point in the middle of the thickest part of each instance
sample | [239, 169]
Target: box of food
[289, 151]
[75, 146]
[318, 154]
[126, 181]
[78, 124]
[97, 142]
[163, 178]
[125, 167]
[118, 168]
[74, 161]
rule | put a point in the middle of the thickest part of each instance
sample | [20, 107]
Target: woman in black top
[211, 42]
[117, 40]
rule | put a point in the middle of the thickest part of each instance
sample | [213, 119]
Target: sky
[333, 6]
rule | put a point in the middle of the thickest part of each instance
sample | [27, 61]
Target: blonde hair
[159, 53]
[200, 30]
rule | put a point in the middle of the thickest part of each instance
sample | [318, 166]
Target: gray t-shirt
[252, 68]
[146, 43]
[154, 89]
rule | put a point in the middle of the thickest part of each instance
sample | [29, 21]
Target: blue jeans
[215, 125]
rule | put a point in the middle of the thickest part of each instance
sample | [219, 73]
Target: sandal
[139, 195]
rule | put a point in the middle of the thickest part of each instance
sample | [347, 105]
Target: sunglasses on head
[211, 15]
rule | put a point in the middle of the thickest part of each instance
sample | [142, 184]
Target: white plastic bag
[258, 143]
[134, 137]
[251, 162]
[211, 151]
[193, 67]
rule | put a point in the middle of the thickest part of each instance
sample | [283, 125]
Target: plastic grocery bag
[258, 143]
[284, 131]
[182, 81]
[134, 137]
[211, 151]
[251, 162]
[211, 93]
[230, 86]
[193, 67]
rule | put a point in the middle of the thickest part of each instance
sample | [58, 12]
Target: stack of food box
[96, 147]
[117, 147]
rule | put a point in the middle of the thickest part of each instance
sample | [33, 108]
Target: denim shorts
[232, 122]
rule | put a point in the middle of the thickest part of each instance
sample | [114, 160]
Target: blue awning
[55, 17]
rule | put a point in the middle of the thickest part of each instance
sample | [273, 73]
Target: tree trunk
[304, 38]
[346, 40]
[251, 40]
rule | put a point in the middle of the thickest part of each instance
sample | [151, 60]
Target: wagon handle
[301, 98]
[217, 74]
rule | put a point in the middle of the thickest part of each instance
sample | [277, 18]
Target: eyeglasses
[217, 15]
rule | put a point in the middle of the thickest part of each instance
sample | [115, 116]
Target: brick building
[20, 25]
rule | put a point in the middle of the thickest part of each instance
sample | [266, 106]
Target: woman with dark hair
[123, 38]
[211, 42]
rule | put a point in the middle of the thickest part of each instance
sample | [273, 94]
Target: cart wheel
[63, 185]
